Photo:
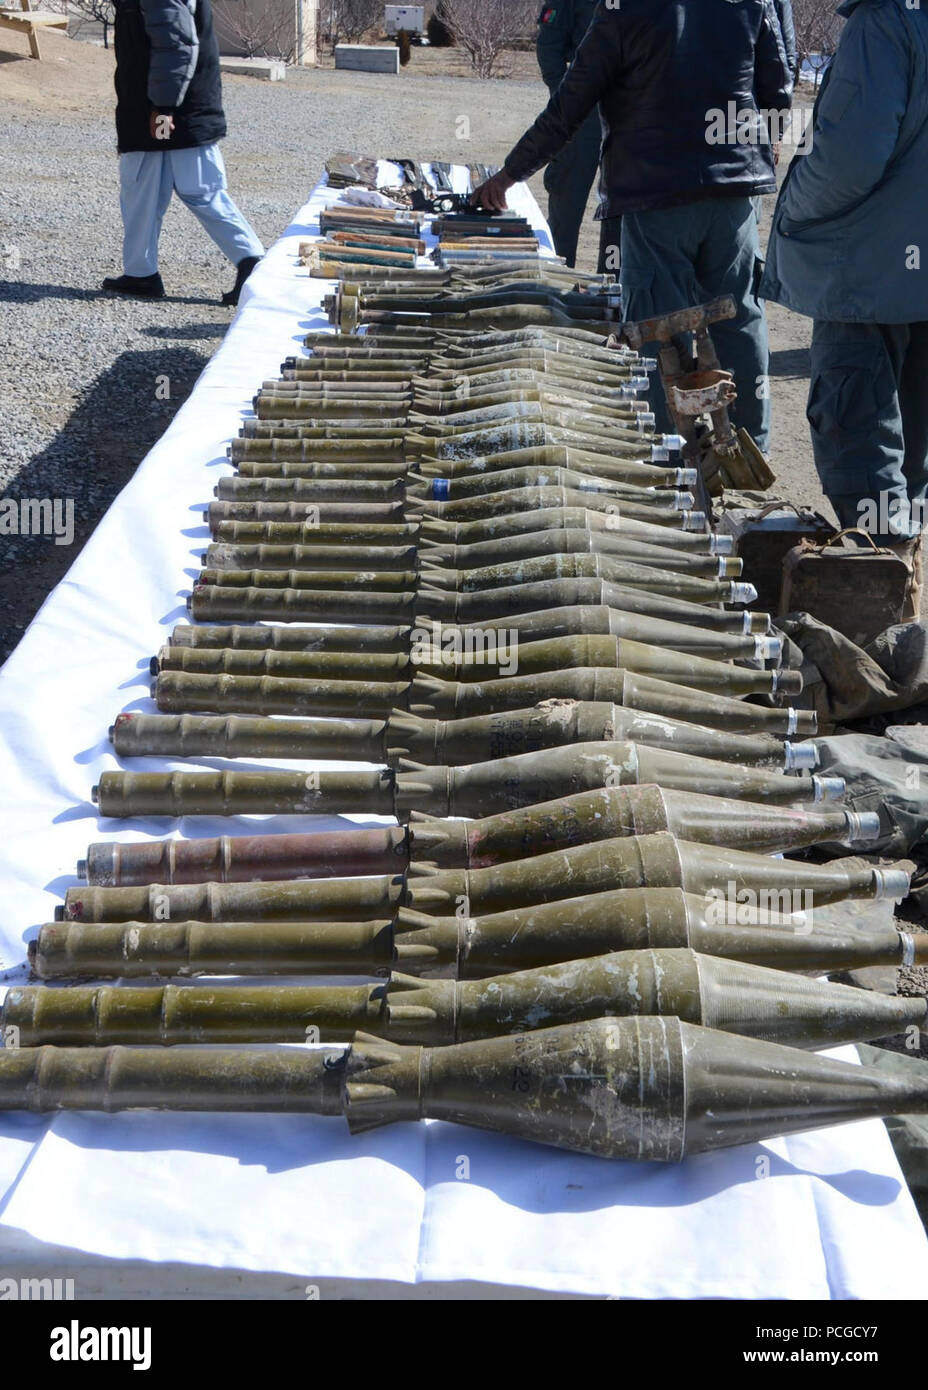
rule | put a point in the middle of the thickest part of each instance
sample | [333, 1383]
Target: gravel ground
[79, 370]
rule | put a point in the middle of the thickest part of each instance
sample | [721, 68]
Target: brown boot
[911, 552]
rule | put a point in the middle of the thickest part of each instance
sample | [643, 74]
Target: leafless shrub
[818, 28]
[259, 28]
[343, 21]
[89, 11]
[485, 29]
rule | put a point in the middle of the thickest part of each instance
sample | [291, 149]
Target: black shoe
[135, 286]
[243, 270]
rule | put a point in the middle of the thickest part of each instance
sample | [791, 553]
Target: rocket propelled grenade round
[314, 556]
[532, 544]
[750, 1000]
[508, 603]
[551, 724]
[674, 583]
[271, 598]
[580, 621]
[468, 948]
[463, 499]
[647, 1089]
[476, 656]
[652, 861]
[472, 789]
[183, 692]
[691, 537]
[433, 697]
[581, 819]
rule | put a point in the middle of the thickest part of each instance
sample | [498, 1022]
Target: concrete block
[268, 69]
[362, 57]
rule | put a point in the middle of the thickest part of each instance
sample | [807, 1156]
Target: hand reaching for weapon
[492, 194]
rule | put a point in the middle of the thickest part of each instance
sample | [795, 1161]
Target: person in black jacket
[687, 90]
[169, 119]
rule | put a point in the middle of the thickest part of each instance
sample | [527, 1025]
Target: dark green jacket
[561, 26]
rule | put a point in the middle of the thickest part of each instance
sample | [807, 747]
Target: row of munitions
[549, 656]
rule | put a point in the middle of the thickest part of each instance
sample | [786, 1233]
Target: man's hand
[492, 194]
[161, 125]
[777, 146]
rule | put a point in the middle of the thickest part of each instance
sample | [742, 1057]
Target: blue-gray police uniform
[846, 249]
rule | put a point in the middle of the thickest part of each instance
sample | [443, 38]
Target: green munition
[192, 692]
[605, 814]
[325, 534]
[663, 514]
[648, 861]
[315, 490]
[574, 542]
[573, 820]
[318, 557]
[506, 656]
[221, 555]
[209, 601]
[652, 1089]
[462, 595]
[459, 457]
[693, 537]
[436, 698]
[663, 508]
[392, 514]
[300, 639]
[500, 531]
[243, 793]
[474, 789]
[402, 736]
[589, 621]
[503, 605]
[458, 460]
[681, 584]
[476, 491]
[691, 532]
[183, 692]
[468, 947]
[363, 581]
[583, 620]
[737, 998]
[328, 665]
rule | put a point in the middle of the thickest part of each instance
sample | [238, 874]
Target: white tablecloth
[831, 1219]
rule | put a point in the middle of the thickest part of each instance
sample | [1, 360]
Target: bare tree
[485, 29]
[96, 12]
[261, 28]
[818, 28]
[341, 20]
